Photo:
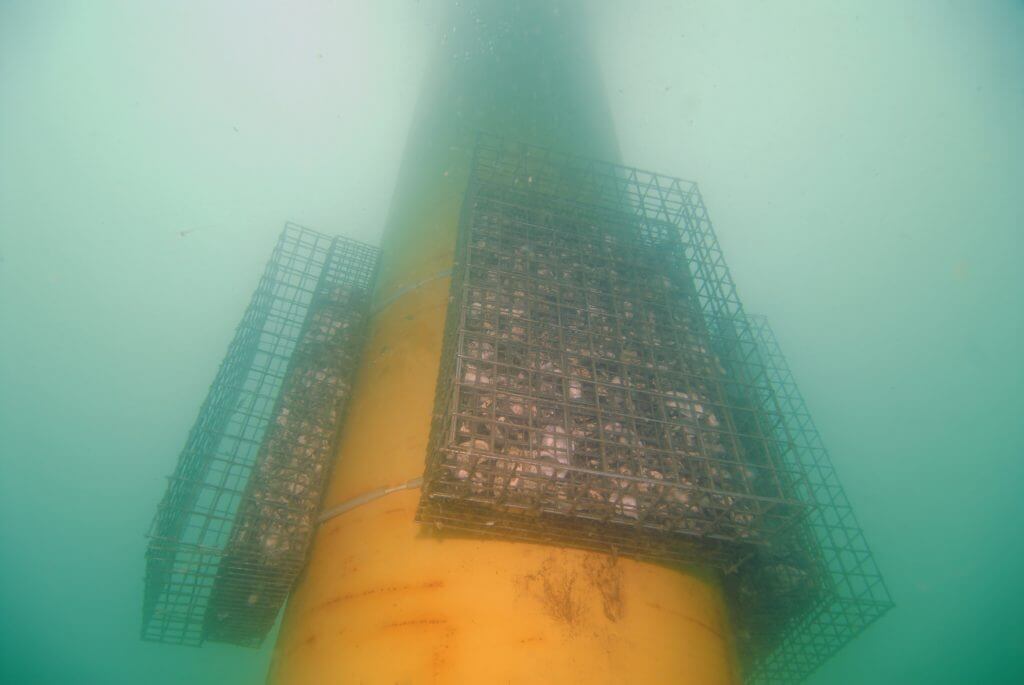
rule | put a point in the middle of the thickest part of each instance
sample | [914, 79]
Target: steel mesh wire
[231, 532]
[785, 635]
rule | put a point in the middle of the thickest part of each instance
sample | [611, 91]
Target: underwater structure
[533, 437]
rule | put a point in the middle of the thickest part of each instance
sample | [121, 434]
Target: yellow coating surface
[381, 604]
[381, 601]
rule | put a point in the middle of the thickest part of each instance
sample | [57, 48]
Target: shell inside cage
[587, 383]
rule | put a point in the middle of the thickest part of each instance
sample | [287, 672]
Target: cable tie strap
[367, 497]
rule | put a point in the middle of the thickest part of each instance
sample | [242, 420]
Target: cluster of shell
[278, 511]
[584, 385]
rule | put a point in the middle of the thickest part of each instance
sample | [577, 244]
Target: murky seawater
[861, 165]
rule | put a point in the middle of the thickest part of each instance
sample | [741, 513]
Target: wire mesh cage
[602, 387]
[231, 532]
[798, 603]
[584, 396]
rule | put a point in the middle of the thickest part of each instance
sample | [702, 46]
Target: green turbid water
[861, 162]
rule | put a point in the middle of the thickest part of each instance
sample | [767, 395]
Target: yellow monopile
[382, 601]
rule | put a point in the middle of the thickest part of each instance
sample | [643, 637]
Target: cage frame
[674, 209]
[842, 591]
[853, 593]
[212, 482]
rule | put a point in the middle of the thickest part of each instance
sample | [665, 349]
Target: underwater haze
[862, 163]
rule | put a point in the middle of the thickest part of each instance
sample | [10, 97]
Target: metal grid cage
[231, 532]
[595, 387]
[800, 602]
[602, 387]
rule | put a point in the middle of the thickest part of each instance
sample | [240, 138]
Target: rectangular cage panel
[231, 533]
[800, 602]
[584, 397]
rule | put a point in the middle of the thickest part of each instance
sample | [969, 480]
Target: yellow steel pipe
[381, 601]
